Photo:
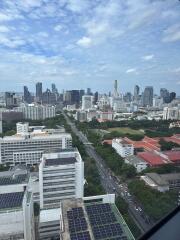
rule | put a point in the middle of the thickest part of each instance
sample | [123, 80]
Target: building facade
[61, 176]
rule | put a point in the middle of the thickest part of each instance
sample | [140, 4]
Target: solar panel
[11, 200]
[80, 236]
[98, 208]
[75, 213]
[102, 218]
[77, 225]
[107, 231]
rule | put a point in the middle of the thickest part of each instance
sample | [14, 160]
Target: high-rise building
[81, 93]
[89, 91]
[27, 95]
[75, 97]
[148, 96]
[172, 96]
[136, 92]
[116, 94]
[28, 147]
[164, 94]
[61, 176]
[36, 111]
[10, 99]
[39, 92]
[87, 102]
[96, 95]
[48, 97]
[53, 88]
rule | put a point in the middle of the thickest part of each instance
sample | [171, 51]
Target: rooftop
[173, 155]
[135, 159]
[60, 161]
[157, 178]
[14, 176]
[152, 158]
[95, 220]
[11, 200]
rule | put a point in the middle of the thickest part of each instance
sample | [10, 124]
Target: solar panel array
[11, 200]
[104, 223]
[77, 224]
[12, 180]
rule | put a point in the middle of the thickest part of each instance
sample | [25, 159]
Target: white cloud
[84, 42]
[131, 70]
[58, 28]
[4, 29]
[77, 5]
[172, 33]
[148, 57]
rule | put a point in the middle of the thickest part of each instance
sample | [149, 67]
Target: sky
[89, 43]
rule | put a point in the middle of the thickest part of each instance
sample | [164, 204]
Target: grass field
[124, 130]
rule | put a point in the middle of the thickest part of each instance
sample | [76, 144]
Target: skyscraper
[39, 92]
[136, 92]
[116, 94]
[89, 91]
[27, 95]
[164, 93]
[54, 89]
[148, 96]
[172, 96]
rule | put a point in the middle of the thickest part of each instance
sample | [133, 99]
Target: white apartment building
[17, 216]
[28, 147]
[87, 102]
[61, 176]
[81, 116]
[172, 113]
[123, 148]
[36, 111]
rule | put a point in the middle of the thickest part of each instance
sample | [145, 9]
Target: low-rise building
[28, 145]
[137, 162]
[162, 182]
[122, 147]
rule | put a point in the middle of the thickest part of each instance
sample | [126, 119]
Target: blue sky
[90, 43]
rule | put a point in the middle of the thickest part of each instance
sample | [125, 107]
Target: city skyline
[80, 44]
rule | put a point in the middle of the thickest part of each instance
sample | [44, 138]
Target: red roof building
[173, 156]
[152, 159]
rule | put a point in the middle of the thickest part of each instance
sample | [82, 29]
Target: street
[111, 183]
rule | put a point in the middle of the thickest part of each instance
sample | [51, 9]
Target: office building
[61, 176]
[39, 92]
[116, 94]
[10, 99]
[54, 89]
[136, 93]
[81, 93]
[148, 97]
[49, 97]
[87, 102]
[75, 97]
[122, 147]
[28, 147]
[36, 111]
[88, 91]
[172, 96]
[164, 94]
[27, 95]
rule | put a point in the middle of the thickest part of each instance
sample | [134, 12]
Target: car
[136, 208]
[140, 209]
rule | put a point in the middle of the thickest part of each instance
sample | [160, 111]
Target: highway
[111, 183]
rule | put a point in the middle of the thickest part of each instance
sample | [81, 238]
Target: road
[111, 183]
